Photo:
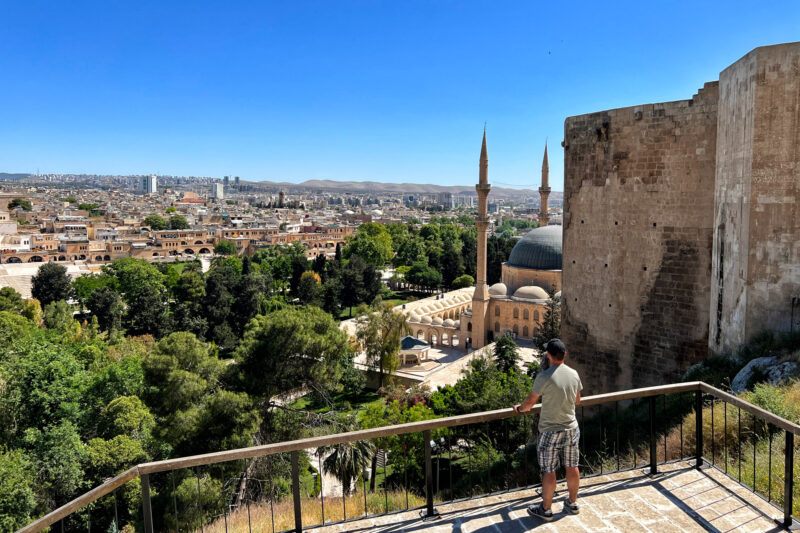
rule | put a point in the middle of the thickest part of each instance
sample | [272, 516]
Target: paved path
[681, 499]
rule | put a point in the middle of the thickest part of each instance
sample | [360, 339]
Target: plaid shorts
[557, 447]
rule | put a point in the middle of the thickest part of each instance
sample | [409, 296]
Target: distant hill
[366, 187]
[5, 176]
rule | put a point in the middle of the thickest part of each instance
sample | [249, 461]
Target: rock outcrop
[774, 372]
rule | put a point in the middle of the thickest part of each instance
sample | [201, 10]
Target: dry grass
[260, 516]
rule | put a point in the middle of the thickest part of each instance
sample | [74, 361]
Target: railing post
[147, 510]
[698, 410]
[298, 517]
[788, 481]
[430, 512]
[653, 453]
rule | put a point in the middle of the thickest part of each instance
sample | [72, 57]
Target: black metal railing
[287, 486]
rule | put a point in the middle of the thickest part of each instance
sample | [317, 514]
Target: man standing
[560, 389]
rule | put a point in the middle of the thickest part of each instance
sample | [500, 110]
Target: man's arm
[528, 404]
[578, 398]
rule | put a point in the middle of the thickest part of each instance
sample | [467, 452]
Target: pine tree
[506, 353]
[551, 322]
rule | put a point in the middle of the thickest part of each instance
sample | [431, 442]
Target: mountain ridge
[362, 187]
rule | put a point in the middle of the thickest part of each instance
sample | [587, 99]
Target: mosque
[473, 318]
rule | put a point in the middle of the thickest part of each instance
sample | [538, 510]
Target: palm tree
[380, 333]
[346, 461]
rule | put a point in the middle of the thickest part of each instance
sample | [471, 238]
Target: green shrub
[718, 370]
[783, 401]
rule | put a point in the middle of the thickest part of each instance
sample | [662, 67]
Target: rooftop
[539, 249]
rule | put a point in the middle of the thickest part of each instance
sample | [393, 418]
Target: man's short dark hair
[556, 349]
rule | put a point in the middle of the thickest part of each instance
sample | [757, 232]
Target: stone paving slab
[679, 499]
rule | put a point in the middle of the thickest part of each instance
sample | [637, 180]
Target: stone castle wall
[638, 224]
[756, 256]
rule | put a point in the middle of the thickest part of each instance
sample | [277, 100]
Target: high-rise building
[236, 181]
[218, 191]
[149, 184]
[226, 180]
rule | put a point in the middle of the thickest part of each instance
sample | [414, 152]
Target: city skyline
[363, 92]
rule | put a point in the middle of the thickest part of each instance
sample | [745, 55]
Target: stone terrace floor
[679, 499]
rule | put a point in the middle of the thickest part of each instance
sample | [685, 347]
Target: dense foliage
[146, 362]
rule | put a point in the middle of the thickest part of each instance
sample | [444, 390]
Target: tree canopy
[155, 222]
[225, 248]
[372, 242]
[21, 203]
[178, 222]
[51, 283]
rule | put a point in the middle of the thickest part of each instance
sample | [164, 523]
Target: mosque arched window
[524, 331]
[536, 316]
[525, 314]
[497, 326]
[516, 329]
[469, 326]
[516, 312]
[497, 311]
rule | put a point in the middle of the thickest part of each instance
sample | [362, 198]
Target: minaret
[544, 191]
[480, 299]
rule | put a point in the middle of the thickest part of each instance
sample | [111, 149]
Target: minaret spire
[480, 298]
[483, 172]
[544, 191]
[545, 169]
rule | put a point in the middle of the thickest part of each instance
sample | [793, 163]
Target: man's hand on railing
[528, 404]
[522, 408]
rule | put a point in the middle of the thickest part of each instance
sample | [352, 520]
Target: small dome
[457, 324]
[557, 295]
[531, 292]
[426, 320]
[438, 306]
[448, 322]
[539, 249]
[414, 317]
[498, 289]
[437, 321]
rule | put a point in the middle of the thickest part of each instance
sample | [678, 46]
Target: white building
[149, 184]
[7, 226]
[218, 191]
[16, 243]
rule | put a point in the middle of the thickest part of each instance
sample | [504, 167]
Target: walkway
[679, 499]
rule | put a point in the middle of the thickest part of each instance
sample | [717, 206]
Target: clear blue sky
[346, 90]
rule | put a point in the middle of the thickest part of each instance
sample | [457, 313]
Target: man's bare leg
[573, 482]
[548, 489]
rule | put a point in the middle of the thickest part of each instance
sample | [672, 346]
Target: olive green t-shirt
[558, 386]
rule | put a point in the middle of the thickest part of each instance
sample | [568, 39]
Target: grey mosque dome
[539, 249]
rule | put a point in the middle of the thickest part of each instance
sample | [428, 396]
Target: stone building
[516, 304]
[681, 224]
